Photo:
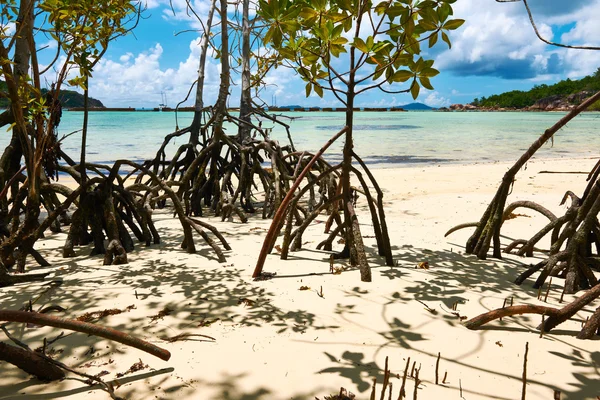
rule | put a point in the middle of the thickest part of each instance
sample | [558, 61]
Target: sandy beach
[275, 341]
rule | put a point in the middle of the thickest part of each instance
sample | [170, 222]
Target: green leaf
[308, 89]
[453, 24]
[425, 82]
[319, 90]
[428, 26]
[433, 39]
[429, 72]
[444, 11]
[370, 43]
[307, 12]
[446, 39]
[360, 45]
[414, 89]
[402, 76]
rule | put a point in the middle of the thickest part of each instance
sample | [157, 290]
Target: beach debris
[337, 270]
[515, 215]
[423, 265]
[205, 323]
[98, 315]
[185, 336]
[161, 314]
[304, 288]
[320, 293]
[499, 343]
[265, 276]
[99, 375]
[93, 364]
[278, 248]
[138, 366]
[246, 302]
[557, 395]
[52, 308]
[431, 310]
[343, 395]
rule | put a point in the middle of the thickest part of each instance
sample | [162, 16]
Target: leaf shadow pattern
[587, 386]
[353, 366]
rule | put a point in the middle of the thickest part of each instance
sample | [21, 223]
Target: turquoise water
[381, 138]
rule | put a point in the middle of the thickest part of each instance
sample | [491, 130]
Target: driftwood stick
[84, 327]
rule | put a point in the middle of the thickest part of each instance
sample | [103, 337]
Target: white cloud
[434, 99]
[138, 80]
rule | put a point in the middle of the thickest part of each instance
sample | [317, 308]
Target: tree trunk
[246, 99]
[199, 103]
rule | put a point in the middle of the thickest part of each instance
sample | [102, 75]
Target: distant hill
[565, 92]
[415, 106]
[68, 98]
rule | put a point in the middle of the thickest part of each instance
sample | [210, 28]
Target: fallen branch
[84, 327]
[30, 362]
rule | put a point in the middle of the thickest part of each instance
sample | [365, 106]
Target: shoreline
[292, 344]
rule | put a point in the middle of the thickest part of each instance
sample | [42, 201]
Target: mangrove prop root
[461, 226]
[491, 220]
[477, 322]
[572, 308]
[84, 327]
[591, 327]
[30, 362]
[281, 211]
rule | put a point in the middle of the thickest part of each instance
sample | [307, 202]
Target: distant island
[68, 98]
[416, 107]
[561, 96]
[407, 107]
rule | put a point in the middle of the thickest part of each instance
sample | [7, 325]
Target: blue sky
[494, 51]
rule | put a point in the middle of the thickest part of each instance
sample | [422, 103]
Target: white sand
[293, 344]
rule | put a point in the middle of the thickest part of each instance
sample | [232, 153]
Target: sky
[496, 50]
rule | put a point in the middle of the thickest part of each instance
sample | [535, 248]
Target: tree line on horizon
[521, 99]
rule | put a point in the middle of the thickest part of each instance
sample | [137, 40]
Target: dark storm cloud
[505, 68]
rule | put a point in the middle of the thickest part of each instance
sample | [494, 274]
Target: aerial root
[461, 226]
[555, 316]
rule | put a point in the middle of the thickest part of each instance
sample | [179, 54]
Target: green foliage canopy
[388, 36]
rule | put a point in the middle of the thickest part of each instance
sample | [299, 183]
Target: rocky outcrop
[560, 103]
[551, 103]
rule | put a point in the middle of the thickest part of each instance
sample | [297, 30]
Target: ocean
[382, 139]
